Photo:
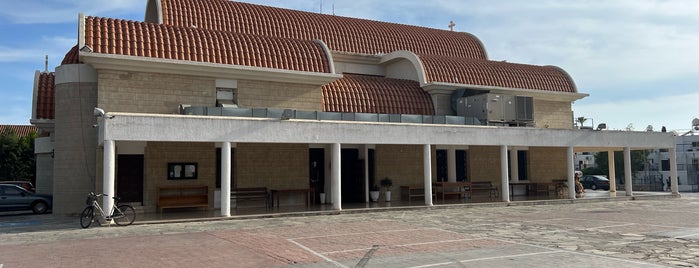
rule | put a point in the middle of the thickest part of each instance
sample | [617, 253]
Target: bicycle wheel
[87, 217]
[124, 215]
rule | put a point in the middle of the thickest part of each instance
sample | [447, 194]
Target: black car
[594, 182]
[13, 197]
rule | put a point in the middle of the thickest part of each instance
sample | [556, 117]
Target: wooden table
[310, 194]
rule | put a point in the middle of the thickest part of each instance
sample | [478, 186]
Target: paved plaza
[648, 232]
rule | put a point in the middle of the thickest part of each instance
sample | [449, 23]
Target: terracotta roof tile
[339, 33]
[372, 94]
[121, 37]
[72, 57]
[496, 73]
[45, 96]
[20, 130]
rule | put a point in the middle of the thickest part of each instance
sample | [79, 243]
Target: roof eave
[537, 93]
[182, 67]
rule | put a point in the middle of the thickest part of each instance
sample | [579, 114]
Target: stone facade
[75, 143]
[257, 94]
[547, 163]
[401, 163]
[153, 93]
[553, 114]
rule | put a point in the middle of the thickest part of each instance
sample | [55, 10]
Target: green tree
[638, 159]
[17, 156]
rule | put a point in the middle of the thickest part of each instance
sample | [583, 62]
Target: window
[665, 165]
[227, 93]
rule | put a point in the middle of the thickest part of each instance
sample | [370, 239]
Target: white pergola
[115, 127]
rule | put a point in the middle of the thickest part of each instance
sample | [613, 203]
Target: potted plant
[374, 193]
[387, 183]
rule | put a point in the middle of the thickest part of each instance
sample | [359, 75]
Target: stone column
[514, 165]
[451, 164]
[226, 179]
[672, 153]
[109, 175]
[570, 160]
[628, 179]
[612, 174]
[366, 173]
[427, 167]
[336, 179]
[504, 178]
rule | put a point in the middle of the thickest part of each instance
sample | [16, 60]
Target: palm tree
[581, 120]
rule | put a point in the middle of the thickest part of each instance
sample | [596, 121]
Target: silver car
[13, 197]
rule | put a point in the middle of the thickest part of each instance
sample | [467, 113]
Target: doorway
[316, 170]
[352, 176]
[129, 178]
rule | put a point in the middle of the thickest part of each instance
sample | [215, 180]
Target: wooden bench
[253, 193]
[183, 197]
[410, 191]
[484, 186]
[460, 189]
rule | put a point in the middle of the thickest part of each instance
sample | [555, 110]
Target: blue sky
[638, 59]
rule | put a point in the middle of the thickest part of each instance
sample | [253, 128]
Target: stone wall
[259, 94]
[159, 154]
[553, 114]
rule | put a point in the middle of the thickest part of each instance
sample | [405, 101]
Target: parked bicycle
[122, 214]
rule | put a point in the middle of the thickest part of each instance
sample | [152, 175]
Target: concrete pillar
[514, 165]
[612, 174]
[108, 175]
[673, 171]
[366, 173]
[451, 164]
[628, 179]
[427, 167]
[226, 179]
[504, 174]
[336, 179]
[570, 160]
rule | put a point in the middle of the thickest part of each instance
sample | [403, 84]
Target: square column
[628, 179]
[108, 174]
[504, 176]
[514, 165]
[427, 167]
[612, 174]
[366, 173]
[673, 170]
[451, 164]
[226, 179]
[335, 177]
[570, 159]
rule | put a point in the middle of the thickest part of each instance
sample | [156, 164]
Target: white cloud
[674, 112]
[64, 11]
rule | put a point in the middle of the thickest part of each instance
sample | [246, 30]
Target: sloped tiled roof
[496, 73]
[45, 96]
[371, 94]
[122, 37]
[72, 57]
[339, 33]
[21, 130]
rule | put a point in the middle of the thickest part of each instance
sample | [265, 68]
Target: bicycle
[122, 214]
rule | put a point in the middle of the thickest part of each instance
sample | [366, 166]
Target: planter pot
[374, 195]
[388, 196]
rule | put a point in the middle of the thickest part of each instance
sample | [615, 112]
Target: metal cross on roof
[451, 25]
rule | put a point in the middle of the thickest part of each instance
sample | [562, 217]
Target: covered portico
[115, 127]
